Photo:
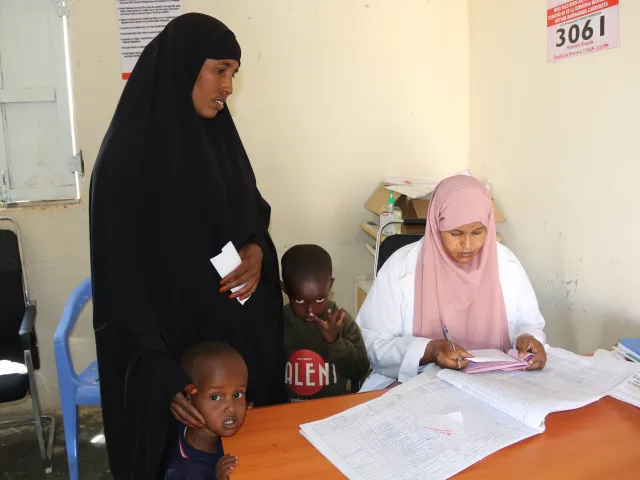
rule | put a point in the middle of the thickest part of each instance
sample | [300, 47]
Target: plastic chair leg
[70, 422]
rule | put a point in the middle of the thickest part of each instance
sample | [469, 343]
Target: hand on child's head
[222, 397]
[183, 410]
[221, 376]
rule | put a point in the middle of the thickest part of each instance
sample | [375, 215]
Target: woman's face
[464, 242]
[213, 86]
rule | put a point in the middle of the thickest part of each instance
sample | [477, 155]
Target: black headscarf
[169, 190]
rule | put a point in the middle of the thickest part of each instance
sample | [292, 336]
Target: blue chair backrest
[78, 299]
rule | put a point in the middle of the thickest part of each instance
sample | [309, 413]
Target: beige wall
[333, 96]
[560, 142]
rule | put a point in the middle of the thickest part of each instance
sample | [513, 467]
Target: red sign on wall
[579, 27]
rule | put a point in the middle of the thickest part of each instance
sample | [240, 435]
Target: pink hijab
[466, 298]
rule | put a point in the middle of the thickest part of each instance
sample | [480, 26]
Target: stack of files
[628, 391]
[492, 360]
[628, 349]
[442, 421]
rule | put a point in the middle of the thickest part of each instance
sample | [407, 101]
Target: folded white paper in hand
[450, 425]
[227, 262]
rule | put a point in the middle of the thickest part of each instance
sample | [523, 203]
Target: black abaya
[168, 191]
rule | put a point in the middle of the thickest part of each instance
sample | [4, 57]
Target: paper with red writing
[384, 438]
[450, 425]
[578, 27]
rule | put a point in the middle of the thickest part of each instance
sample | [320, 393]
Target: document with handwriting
[386, 439]
[568, 381]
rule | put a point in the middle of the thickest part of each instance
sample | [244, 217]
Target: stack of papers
[418, 188]
[628, 349]
[396, 436]
[491, 360]
[628, 391]
[442, 421]
[412, 188]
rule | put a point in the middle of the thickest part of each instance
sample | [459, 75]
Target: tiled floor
[20, 457]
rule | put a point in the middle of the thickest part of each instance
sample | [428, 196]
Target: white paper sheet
[429, 372]
[450, 424]
[414, 190]
[629, 390]
[383, 439]
[227, 262]
[417, 188]
[485, 356]
[608, 359]
[139, 22]
[568, 381]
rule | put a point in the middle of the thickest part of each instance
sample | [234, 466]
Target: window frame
[70, 161]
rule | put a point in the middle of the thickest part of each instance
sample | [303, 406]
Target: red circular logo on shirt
[307, 373]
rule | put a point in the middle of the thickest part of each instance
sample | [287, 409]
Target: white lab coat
[386, 317]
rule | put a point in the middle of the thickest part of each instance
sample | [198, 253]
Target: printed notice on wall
[579, 27]
[139, 22]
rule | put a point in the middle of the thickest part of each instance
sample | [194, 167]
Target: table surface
[601, 440]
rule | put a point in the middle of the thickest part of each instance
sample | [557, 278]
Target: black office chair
[19, 356]
[391, 244]
[385, 247]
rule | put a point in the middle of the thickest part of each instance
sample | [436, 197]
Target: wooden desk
[600, 441]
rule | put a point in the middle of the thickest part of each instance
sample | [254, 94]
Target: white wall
[560, 142]
[332, 97]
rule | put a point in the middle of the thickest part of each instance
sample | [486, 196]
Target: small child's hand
[225, 466]
[330, 329]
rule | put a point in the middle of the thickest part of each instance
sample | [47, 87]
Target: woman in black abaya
[171, 186]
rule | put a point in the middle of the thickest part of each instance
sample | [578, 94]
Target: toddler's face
[309, 297]
[221, 397]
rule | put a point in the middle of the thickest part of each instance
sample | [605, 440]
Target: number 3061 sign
[579, 27]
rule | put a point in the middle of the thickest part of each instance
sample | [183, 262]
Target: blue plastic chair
[83, 389]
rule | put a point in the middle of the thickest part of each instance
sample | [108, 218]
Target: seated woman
[457, 276]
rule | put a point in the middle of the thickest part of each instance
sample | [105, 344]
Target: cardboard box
[411, 208]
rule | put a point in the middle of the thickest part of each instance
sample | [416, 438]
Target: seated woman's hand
[184, 411]
[247, 273]
[528, 344]
[441, 353]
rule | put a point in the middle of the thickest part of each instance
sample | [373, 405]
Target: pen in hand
[448, 338]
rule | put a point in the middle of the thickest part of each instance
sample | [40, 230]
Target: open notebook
[386, 438]
[490, 360]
